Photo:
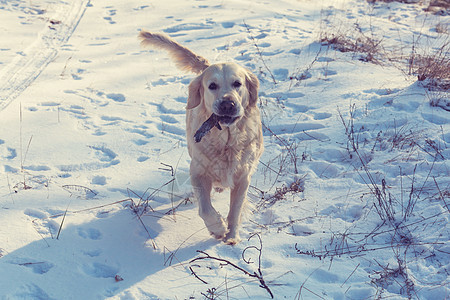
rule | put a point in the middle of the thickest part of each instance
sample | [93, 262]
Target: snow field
[94, 154]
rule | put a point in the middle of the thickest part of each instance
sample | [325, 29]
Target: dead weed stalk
[260, 53]
[224, 262]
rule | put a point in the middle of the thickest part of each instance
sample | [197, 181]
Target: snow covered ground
[350, 200]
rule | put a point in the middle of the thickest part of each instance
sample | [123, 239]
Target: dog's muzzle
[227, 111]
[227, 108]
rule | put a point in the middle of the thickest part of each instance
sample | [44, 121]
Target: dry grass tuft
[428, 57]
[281, 193]
[433, 68]
[368, 47]
[442, 28]
[439, 7]
[389, 1]
[439, 99]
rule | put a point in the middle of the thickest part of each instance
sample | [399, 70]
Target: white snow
[95, 195]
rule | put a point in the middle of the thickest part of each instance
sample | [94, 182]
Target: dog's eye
[213, 86]
[236, 84]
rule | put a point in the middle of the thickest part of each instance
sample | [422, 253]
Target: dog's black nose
[227, 108]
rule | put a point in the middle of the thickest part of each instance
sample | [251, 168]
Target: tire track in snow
[26, 67]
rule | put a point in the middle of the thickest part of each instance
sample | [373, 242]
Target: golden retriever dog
[224, 133]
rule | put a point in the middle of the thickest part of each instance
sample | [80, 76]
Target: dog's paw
[218, 236]
[217, 227]
[232, 239]
[219, 232]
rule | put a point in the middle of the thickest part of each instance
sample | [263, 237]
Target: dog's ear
[195, 93]
[252, 87]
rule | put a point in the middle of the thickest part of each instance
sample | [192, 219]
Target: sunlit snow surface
[94, 190]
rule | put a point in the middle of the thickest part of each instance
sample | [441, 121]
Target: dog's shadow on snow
[103, 256]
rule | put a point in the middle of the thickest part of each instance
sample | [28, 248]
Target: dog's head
[225, 90]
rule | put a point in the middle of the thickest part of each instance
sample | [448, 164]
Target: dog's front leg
[237, 200]
[202, 186]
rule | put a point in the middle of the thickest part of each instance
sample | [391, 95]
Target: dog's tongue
[212, 121]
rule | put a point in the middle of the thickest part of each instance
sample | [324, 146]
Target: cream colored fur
[223, 158]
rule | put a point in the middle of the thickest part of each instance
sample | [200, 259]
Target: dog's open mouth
[227, 119]
[213, 121]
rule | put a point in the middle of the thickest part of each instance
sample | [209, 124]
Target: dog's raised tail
[184, 58]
